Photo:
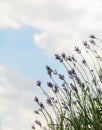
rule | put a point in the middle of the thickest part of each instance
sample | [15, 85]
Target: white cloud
[63, 21]
[6, 20]
[16, 100]
[54, 42]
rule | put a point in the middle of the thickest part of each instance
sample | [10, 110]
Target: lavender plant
[77, 100]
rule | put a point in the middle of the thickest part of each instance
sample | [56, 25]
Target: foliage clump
[76, 103]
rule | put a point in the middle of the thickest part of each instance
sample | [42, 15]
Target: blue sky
[31, 32]
[17, 49]
[19, 53]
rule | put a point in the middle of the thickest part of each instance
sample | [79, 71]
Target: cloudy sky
[31, 31]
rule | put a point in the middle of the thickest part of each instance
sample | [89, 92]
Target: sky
[31, 32]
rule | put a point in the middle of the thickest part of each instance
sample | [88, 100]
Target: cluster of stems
[76, 103]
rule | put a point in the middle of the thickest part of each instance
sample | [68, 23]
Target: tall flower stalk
[76, 103]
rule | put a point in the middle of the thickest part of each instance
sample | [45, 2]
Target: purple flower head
[63, 55]
[92, 36]
[53, 99]
[77, 50]
[66, 90]
[73, 58]
[61, 77]
[58, 57]
[65, 106]
[41, 105]
[38, 83]
[74, 87]
[86, 44]
[36, 112]
[33, 127]
[63, 85]
[36, 99]
[49, 101]
[55, 90]
[78, 79]
[92, 42]
[71, 72]
[69, 58]
[50, 84]
[84, 61]
[38, 123]
[49, 70]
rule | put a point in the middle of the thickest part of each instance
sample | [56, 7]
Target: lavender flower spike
[55, 90]
[77, 50]
[38, 83]
[92, 42]
[57, 57]
[63, 55]
[50, 84]
[38, 123]
[65, 106]
[41, 105]
[33, 127]
[74, 87]
[92, 36]
[49, 70]
[61, 77]
[49, 101]
[36, 99]
[36, 112]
